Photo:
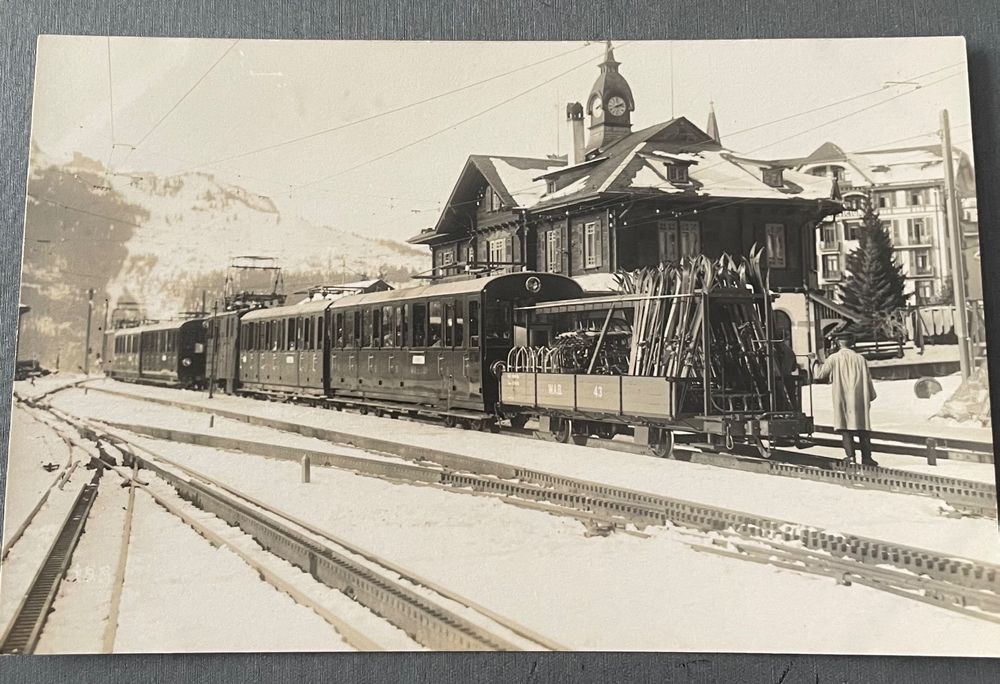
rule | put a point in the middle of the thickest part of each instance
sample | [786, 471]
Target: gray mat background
[21, 21]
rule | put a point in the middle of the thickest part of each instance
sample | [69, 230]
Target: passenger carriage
[281, 349]
[433, 345]
[426, 348]
[169, 353]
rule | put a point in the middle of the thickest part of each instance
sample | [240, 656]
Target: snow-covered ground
[183, 594]
[907, 519]
[32, 445]
[29, 444]
[47, 383]
[619, 592]
[898, 409]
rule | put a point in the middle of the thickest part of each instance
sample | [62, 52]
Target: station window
[678, 239]
[553, 250]
[473, 323]
[776, 245]
[498, 250]
[419, 325]
[434, 325]
[591, 245]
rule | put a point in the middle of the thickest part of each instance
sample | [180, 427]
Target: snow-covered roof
[898, 166]
[598, 282]
[637, 164]
[305, 307]
[155, 327]
[515, 179]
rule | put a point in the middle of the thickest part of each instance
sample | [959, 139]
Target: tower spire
[713, 125]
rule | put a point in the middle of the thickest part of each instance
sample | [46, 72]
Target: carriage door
[437, 353]
[473, 354]
[456, 335]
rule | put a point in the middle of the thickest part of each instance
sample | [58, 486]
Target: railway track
[25, 627]
[963, 585]
[966, 497]
[434, 617]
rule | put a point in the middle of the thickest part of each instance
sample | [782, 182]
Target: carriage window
[400, 326]
[338, 328]
[498, 322]
[388, 333]
[290, 326]
[307, 340]
[419, 325]
[320, 329]
[459, 324]
[356, 340]
[435, 325]
[172, 341]
[376, 337]
[449, 324]
[473, 323]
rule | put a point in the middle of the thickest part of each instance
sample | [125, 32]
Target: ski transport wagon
[687, 348]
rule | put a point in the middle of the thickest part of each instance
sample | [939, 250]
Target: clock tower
[609, 106]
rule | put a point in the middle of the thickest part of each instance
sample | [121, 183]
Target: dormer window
[550, 186]
[677, 173]
[774, 178]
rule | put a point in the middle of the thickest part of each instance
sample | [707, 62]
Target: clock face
[596, 106]
[616, 106]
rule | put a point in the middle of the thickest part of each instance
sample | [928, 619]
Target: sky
[371, 136]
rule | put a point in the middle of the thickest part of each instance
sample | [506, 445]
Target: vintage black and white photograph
[545, 346]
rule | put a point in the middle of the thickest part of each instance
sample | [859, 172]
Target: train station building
[624, 199]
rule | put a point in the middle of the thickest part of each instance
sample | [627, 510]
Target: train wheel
[562, 430]
[664, 446]
[363, 410]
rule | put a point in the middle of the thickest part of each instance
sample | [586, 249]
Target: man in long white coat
[853, 393]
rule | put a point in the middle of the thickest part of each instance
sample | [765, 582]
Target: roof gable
[514, 179]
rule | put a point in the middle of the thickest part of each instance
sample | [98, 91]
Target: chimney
[574, 114]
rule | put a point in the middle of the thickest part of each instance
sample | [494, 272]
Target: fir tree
[874, 286]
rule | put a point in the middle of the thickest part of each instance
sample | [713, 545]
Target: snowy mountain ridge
[196, 223]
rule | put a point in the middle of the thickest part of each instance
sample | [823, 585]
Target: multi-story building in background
[906, 185]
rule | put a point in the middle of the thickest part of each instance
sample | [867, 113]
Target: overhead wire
[387, 112]
[178, 103]
[449, 127]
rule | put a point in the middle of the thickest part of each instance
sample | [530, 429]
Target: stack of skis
[668, 328]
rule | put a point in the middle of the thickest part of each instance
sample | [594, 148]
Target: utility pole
[86, 346]
[215, 346]
[953, 216]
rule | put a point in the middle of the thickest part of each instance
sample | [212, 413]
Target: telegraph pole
[86, 346]
[956, 243]
[215, 346]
